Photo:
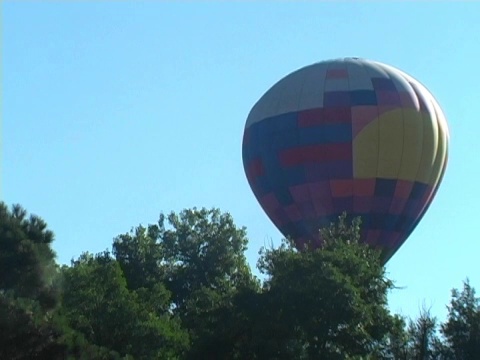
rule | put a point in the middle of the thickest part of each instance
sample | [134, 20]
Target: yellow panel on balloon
[413, 144]
[365, 152]
[400, 144]
[430, 136]
[391, 144]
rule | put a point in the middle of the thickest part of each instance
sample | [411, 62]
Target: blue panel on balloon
[385, 187]
[263, 129]
[336, 98]
[418, 190]
[363, 97]
[342, 204]
[282, 122]
[326, 134]
[286, 139]
[262, 186]
[340, 169]
[383, 84]
[317, 171]
[402, 221]
[376, 221]
[390, 222]
[294, 175]
[283, 195]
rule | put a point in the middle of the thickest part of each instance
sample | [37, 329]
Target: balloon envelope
[346, 135]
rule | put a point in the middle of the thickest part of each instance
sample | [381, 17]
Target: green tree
[327, 303]
[331, 300]
[30, 327]
[424, 343]
[204, 249]
[462, 328]
[27, 261]
[99, 305]
[141, 256]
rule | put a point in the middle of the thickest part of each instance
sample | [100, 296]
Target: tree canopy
[182, 289]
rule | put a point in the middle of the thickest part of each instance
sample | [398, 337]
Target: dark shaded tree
[27, 261]
[30, 327]
[462, 328]
[424, 343]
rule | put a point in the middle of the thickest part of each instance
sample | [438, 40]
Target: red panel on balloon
[255, 168]
[316, 153]
[364, 187]
[403, 189]
[341, 188]
[337, 73]
[337, 114]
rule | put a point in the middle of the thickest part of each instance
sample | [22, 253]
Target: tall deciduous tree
[332, 301]
[99, 305]
[204, 250]
[327, 303]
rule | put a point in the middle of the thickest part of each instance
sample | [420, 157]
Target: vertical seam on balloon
[388, 72]
[327, 64]
[377, 175]
[423, 130]
[378, 127]
[351, 135]
[372, 197]
[328, 168]
[276, 155]
[264, 160]
[298, 142]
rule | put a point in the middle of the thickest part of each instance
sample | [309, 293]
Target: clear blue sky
[114, 112]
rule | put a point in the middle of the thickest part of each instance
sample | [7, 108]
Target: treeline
[182, 289]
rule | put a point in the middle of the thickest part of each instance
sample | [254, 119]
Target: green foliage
[424, 342]
[182, 289]
[100, 306]
[204, 249]
[140, 254]
[462, 328]
[330, 301]
[29, 327]
[27, 265]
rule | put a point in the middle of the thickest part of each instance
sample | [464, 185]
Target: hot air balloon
[346, 135]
